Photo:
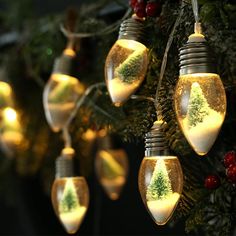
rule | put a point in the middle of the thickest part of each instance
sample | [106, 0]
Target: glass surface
[160, 184]
[200, 105]
[70, 199]
[112, 169]
[125, 69]
[59, 98]
[11, 132]
[5, 95]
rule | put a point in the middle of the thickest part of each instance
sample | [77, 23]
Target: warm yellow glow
[5, 89]
[89, 135]
[125, 69]
[102, 133]
[160, 184]
[71, 220]
[64, 78]
[70, 198]
[131, 44]
[9, 114]
[69, 52]
[59, 99]
[200, 105]
[161, 210]
[111, 169]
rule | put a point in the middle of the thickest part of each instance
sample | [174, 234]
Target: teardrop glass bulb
[70, 199]
[60, 96]
[125, 69]
[160, 184]
[200, 105]
[5, 95]
[11, 131]
[111, 169]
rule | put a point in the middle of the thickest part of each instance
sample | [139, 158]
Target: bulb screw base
[133, 29]
[155, 141]
[64, 164]
[65, 64]
[195, 57]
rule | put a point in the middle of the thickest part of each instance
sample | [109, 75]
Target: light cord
[165, 57]
[65, 130]
[197, 25]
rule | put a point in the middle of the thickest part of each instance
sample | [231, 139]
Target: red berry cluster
[213, 181]
[230, 165]
[143, 8]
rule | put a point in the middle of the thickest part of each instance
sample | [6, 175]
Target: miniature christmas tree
[131, 67]
[198, 107]
[69, 201]
[111, 168]
[160, 186]
[63, 91]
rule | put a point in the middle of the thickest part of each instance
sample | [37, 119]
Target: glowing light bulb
[126, 63]
[160, 177]
[200, 101]
[70, 198]
[11, 133]
[61, 92]
[111, 165]
[160, 185]
[5, 95]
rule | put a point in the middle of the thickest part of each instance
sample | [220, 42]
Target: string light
[200, 100]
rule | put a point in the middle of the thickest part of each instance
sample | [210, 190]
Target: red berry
[231, 173]
[212, 182]
[132, 3]
[139, 9]
[153, 9]
[229, 158]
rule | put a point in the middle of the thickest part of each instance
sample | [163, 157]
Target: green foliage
[159, 187]
[198, 107]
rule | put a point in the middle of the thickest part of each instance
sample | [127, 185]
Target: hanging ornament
[200, 101]
[160, 176]
[62, 91]
[111, 165]
[153, 9]
[11, 132]
[229, 159]
[70, 195]
[127, 61]
[5, 95]
[212, 182]
[139, 8]
[231, 173]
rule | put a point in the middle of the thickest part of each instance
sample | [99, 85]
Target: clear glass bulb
[11, 132]
[59, 98]
[112, 169]
[125, 69]
[200, 105]
[5, 95]
[160, 184]
[70, 199]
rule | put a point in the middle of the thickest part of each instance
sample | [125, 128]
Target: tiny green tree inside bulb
[160, 177]
[62, 91]
[126, 63]
[200, 100]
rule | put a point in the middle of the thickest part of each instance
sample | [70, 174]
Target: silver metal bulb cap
[64, 165]
[195, 57]
[155, 141]
[132, 29]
